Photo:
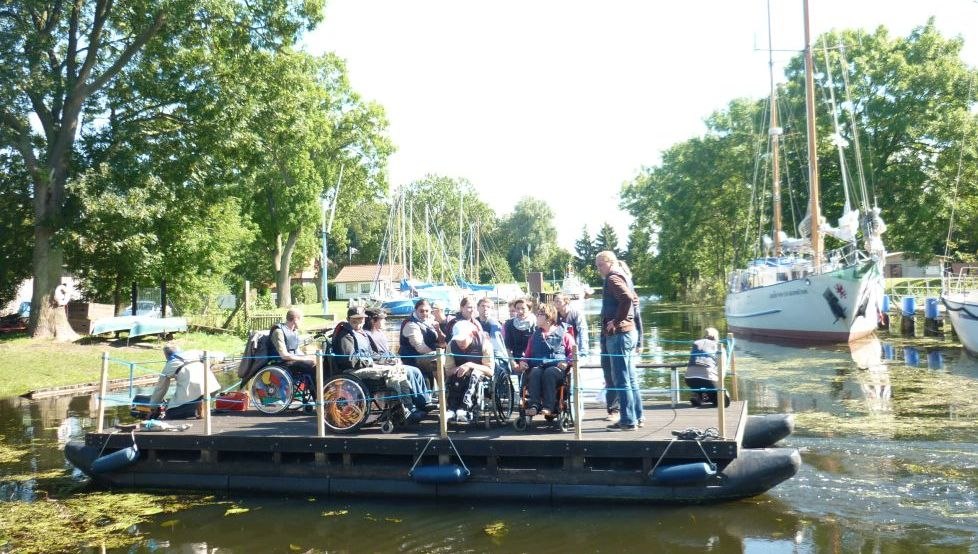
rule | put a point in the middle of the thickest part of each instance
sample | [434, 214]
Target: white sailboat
[960, 297]
[799, 292]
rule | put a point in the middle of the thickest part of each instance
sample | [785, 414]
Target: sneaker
[461, 415]
[546, 413]
[415, 417]
[613, 417]
[531, 411]
[619, 427]
[641, 423]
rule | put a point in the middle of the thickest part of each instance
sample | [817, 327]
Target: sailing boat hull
[962, 310]
[836, 306]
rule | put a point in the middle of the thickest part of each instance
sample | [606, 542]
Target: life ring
[61, 295]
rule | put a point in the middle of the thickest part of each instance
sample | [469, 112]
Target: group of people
[541, 347]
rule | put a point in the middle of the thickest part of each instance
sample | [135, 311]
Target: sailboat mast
[775, 133]
[816, 213]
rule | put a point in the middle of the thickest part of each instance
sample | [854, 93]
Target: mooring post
[721, 392]
[102, 391]
[320, 421]
[733, 368]
[206, 402]
[578, 401]
[674, 385]
[442, 407]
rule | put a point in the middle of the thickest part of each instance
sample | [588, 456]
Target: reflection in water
[874, 381]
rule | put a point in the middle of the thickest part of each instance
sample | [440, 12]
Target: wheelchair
[494, 397]
[560, 420]
[275, 387]
[350, 402]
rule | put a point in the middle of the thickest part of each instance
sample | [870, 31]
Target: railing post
[206, 402]
[674, 385]
[734, 393]
[442, 403]
[320, 416]
[721, 388]
[578, 400]
[102, 391]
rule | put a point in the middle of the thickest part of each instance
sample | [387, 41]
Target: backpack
[253, 358]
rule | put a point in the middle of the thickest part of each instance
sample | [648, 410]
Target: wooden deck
[251, 431]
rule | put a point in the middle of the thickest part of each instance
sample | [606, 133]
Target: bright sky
[567, 100]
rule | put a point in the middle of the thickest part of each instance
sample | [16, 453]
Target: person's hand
[522, 366]
[609, 327]
[461, 370]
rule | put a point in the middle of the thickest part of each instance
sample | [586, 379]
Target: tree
[606, 239]
[56, 60]
[15, 227]
[531, 236]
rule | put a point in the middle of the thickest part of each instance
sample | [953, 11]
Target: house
[900, 264]
[355, 281]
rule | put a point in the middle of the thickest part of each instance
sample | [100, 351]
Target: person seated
[187, 369]
[547, 356]
[419, 339]
[283, 348]
[701, 371]
[469, 359]
[354, 354]
[494, 330]
[517, 331]
[418, 392]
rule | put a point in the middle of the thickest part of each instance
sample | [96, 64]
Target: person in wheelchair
[469, 360]
[283, 348]
[354, 354]
[545, 361]
[419, 391]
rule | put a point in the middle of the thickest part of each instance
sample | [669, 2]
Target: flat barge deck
[252, 452]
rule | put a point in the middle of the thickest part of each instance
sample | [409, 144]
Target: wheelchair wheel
[503, 398]
[521, 423]
[345, 404]
[387, 427]
[272, 390]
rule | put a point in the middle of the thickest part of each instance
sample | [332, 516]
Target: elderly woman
[547, 356]
[701, 371]
[469, 359]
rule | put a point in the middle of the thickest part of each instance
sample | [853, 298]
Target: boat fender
[116, 460]
[682, 474]
[439, 475]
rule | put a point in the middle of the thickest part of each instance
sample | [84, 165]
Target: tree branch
[22, 142]
[129, 52]
[102, 8]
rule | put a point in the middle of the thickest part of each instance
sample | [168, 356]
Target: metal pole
[721, 396]
[674, 384]
[578, 401]
[206, 402]
[734, 393]
[320, 421]
[442, 404]
[103, 390]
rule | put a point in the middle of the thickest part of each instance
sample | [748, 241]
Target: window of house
[365, 288]
[351, 287]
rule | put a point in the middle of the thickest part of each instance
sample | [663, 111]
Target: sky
[566, 101]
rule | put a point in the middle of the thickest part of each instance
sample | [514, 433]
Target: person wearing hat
[701, 372]
[355, 355]
[469, 359]
[417, 391]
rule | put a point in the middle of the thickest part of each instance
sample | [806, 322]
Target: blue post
[910, 356]
[909, 306]
[930, 308]
[886, 303]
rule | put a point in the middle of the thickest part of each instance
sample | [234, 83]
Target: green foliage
[530, 237]
[701, 210]
[607, 239]
[16, 227]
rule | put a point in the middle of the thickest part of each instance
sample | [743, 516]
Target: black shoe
[415, 417]
[620, 427]
[695, 400]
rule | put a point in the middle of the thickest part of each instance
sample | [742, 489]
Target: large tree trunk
[283, 264]
[48, 319]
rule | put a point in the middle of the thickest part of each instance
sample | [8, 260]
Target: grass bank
[27, 364]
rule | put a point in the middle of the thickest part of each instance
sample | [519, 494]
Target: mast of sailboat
[815, 211]
[775, 133]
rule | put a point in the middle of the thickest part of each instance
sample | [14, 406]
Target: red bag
[234, 401]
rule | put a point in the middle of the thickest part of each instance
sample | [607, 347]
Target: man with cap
[702, 374]
[469, 359]
[355, 355]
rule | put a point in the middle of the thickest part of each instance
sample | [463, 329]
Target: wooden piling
[102, 391]
[320, 416]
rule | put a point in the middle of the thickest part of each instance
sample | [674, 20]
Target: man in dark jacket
[619, 337]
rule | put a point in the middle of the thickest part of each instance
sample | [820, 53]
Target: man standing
[618, 337]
